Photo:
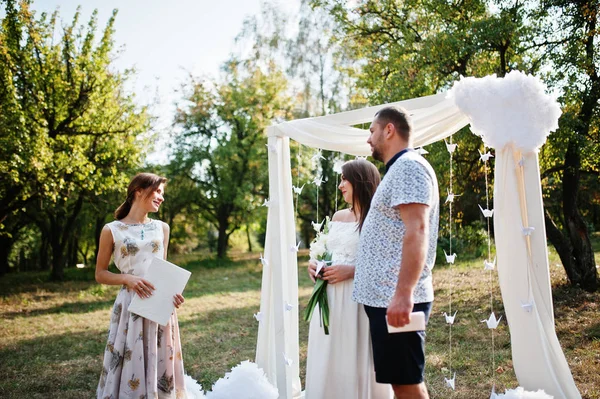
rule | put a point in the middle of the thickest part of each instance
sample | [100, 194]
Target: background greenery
[71, 135]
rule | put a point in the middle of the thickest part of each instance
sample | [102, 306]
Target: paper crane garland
[489, 265]
[294, 248]
[485, 157]
[527, 306]
[450, 382]
[264, 261]
[267, 203]
[318, 155]
[488, 213]
[451, 196]
[337, 166]
[317, 226]
[450, 258]
[450, 319]
[527, 231]
[298, 190]
[450, 147]
[492, 322]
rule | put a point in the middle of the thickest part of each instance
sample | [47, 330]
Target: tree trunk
[57, 247]
[583, 268]
[5, 245]
[248, 238]
[223, 238]
[97, 231]
[44, 247]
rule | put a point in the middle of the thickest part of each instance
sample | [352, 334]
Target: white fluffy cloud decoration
[245, 381]
[514, 109]
[521, 393]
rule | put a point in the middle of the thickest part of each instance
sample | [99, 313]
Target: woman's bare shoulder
[344, 215]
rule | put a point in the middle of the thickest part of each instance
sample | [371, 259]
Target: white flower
[319, 246]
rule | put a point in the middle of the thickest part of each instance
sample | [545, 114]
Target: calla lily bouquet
[319, 252]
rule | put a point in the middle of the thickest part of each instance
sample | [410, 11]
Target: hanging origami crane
[294, 248]
[488, 213]
[264, 261]
[450, 382]
[491, 321]
[337, 166]
[318, 155]
[258, 316]
[267, 203]
[271, 147]
[422, 151]
[450, 258]
[298, 190]
[489, 265]
[317, 181]
[317, 226]
[287, 360]
[485, 157]
[450, 147]
[288, 306]
[451, 196]
[527, 231]
[527, 306]
[450, 319]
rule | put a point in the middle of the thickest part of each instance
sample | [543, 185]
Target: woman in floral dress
[142, 359]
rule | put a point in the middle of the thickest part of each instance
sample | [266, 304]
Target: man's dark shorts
[400, 357]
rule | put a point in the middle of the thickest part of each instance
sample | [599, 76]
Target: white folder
[168, 279]
[417, 323]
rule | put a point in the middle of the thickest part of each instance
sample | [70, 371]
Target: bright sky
[165, 40]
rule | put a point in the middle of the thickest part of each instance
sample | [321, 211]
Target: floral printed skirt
[142, 359]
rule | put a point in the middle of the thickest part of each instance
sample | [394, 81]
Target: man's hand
[398, 312]
[338, 273]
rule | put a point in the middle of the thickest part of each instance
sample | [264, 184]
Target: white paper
[168, 280]
[417, 323]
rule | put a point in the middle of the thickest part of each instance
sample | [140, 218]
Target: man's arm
[414, 255]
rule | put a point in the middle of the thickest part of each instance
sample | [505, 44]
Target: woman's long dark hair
[365, 178]
[140, 182]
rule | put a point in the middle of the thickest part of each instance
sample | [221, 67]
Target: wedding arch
[514, 116]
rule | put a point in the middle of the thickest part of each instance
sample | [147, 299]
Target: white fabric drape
[434, 118]
[537, 356]
[277, 349]
[524, 276]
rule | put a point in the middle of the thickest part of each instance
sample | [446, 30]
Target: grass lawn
[53, 335]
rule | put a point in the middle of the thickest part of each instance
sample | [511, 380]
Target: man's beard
[376, 154]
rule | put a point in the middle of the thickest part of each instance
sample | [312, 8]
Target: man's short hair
[398, 117]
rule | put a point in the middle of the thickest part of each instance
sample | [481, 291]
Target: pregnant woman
[340, 365]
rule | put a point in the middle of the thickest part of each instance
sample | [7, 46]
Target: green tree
[69, 131]
[418, 47]
[572, 153]
[221, 143]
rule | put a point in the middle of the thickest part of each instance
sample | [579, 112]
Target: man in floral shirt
[396, 254]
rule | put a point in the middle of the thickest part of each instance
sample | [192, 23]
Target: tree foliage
[413, 48]
[69, 132]
[221, 143]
